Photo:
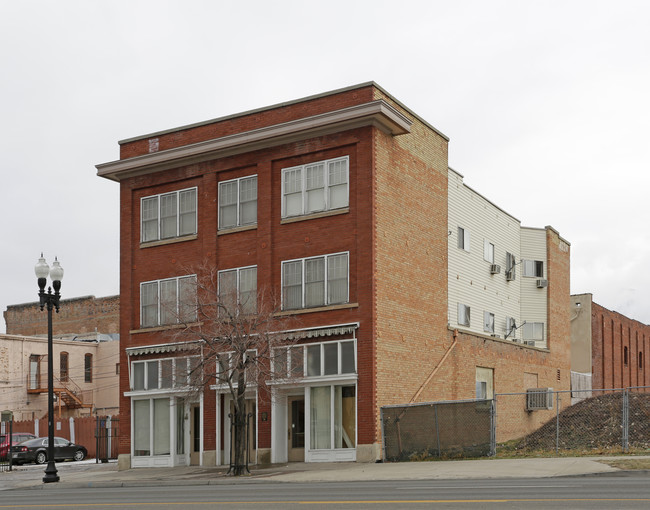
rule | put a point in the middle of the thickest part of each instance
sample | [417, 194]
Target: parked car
[16, 437]
[35, 450]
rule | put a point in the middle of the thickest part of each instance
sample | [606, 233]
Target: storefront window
[337, 415]
[161, 426]
[141, 432]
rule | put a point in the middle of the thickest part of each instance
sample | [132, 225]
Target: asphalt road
[621, 491]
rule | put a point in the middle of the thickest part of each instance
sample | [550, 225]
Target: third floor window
[238, 202]
[315, 187]
[168, 215]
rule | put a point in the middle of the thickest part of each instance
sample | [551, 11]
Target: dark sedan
[35, 450]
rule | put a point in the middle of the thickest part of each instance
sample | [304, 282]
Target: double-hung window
[238, 290]
[238, 202]
[168, 301]
[315, 187]
[168, 215]
[315, 281]
[534, 268]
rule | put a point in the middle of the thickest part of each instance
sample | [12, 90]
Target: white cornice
[375, 113]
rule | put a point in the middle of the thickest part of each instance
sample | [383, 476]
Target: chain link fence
[437, 430]
[537, 422]
[606, 421]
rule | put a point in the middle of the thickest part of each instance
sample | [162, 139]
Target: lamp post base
[50, 473]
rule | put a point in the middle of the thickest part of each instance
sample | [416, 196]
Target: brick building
[86, 314]
[346, 192]
[610, 347]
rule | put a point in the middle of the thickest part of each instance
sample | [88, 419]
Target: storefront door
[296, 432]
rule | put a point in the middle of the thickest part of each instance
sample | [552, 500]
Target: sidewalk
[88, 474]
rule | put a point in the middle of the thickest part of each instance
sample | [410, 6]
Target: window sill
[324, 214]
[163, 328]
[298, 311]
[236, 229]
[151, 244]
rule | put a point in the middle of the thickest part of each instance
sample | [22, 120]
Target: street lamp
[50, 300]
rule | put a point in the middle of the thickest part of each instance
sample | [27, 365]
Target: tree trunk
[240, 439]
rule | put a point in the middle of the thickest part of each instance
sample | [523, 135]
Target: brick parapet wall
[86, 314]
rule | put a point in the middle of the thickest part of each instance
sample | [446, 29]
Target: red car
[16, 437]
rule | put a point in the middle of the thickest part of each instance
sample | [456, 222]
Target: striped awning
[300, 334]
[162, 348]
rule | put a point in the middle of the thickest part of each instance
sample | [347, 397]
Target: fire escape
[67, 392]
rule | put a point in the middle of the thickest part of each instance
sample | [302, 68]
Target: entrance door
[296, 432]
[195, 435]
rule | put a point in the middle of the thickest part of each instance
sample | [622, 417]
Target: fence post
[72, 435]
[435, 414]
[557, 422]
[36, 432]
[493, 427]
[626, 420]
[11, 442]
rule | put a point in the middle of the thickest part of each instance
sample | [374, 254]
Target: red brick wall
[611, 334]
[78, 315]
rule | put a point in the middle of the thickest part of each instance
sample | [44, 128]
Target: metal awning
[162, 348]
[300, 334]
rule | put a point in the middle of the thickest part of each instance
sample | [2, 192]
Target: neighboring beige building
[86, 375]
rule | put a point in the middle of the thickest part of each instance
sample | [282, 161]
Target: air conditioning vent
[495, 269]
[539, 398]
[542, 283]
[510, 275]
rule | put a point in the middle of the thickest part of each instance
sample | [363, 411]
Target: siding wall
[534, 301]
[470, 281]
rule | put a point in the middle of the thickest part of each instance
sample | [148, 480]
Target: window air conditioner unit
[495, 269]
[530, 342]
[539, 398]
[542, 283]
[510, 275]
[495, 336]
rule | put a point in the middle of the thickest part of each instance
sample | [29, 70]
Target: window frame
[464, 239]
[290, 351]
[327, 281]
[532, 268]
[159, 215]
[527, 334]
[488, 251]
[327, 187]
[158, 299]
[488, 322]
[466, 313]
[88, 368]
[238, 203]
[174, 384]
[238, 271]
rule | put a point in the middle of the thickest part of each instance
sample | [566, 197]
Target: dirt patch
[628, 464]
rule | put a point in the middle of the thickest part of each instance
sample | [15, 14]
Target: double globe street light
[50, 300]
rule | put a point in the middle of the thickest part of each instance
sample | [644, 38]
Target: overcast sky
[546, 104]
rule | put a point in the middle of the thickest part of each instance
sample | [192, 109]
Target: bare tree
[236, 329]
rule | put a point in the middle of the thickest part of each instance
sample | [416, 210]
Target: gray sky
[546, 103]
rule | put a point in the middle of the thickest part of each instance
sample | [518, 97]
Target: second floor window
[315, 281]
[88, 368]
[168, 301]
[238, 287]
[316, 187]
[63, 367]
[238, 202]
[168, 215]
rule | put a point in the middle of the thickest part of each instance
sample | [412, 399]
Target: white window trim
[158, 196]
[464, 240]
[238, 271]
[302, 292]
[525, 331]
[326, 186]
[340, 375]
[238, 223]
[157, 391]
[177, 279]
[488, 251]
[488, 322]
[467, 313]
[529, 268]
